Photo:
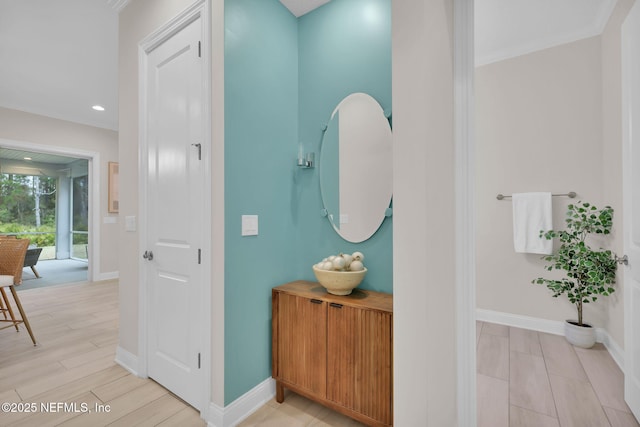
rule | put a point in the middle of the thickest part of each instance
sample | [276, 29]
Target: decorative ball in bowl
[341, 273]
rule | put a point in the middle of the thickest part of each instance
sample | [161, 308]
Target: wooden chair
[12, 253]
[4, 309]
[30, 260]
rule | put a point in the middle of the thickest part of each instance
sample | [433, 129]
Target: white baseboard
[616, 352]
[516, 320]
[109, 275]
[228, 416]
[551, 327]
[127, 360]
[215, 416]
[242, 407]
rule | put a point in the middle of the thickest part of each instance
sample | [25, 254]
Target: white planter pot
[580, 336]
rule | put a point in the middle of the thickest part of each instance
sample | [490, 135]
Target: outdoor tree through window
[28, 204]
[80, 224]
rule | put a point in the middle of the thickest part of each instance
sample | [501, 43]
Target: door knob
[622, 260]
[148, 255]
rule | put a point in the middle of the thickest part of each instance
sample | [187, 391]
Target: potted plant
[588, 272]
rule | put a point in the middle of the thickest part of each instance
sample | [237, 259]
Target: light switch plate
[130, 223]
[110, 220]
[249, 225]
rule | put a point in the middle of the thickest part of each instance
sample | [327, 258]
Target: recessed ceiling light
[98, 107]
[27, 158]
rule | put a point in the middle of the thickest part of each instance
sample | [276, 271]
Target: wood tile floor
[525, 378]
[532, 379]
[297, 411]
[76, 327]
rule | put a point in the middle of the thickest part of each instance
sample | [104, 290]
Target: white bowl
[339, 282]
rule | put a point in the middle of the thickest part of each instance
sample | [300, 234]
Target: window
[80, 217]
[28, 207]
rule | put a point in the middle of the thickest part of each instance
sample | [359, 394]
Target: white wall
[423, 214]
[139, 19]
[548, 121]
[538, 128]
[45, 131]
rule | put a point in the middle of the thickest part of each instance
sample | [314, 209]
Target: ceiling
[508, 28]
[29, 157]
[300, 7]
[59, 58]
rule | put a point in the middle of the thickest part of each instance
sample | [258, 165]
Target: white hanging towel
[532, 213]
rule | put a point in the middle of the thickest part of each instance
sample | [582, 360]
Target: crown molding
[594, 28]
[604, 14]
[118, 5]
[536, 45]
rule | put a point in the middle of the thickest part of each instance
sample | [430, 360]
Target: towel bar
[570, 194]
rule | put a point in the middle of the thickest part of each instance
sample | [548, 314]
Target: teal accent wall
[330, 160]
[261, 134]
[344, 47]
[283, 79]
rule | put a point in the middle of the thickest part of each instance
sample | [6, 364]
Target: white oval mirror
[356, 175]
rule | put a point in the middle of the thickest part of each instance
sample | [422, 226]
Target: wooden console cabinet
[336, 350]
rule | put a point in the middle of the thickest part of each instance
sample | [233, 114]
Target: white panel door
[174, 213]
[631, 166]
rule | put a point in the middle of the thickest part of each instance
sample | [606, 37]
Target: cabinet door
[359, 361]
[302, 347]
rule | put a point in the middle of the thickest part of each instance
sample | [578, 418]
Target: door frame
[93, 159]
[465, 208]
[200, 9]
[627, 105]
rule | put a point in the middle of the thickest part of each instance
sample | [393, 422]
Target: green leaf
[588, 272]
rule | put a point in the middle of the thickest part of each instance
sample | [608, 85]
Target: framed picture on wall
[113, 188]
